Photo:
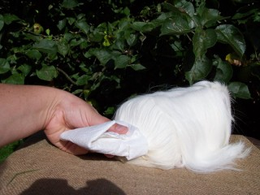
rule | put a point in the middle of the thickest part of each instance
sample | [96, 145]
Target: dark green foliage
[8, 149]
[105, 51]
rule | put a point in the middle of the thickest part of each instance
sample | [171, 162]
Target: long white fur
[185, 127]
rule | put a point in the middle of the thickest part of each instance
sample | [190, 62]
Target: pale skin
[25, 110]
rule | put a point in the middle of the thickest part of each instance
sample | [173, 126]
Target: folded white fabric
[97, 139]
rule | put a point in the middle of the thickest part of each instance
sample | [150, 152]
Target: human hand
[70, 112]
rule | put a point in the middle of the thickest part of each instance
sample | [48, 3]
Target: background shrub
[106, 51]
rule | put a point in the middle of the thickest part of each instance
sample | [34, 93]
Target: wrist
[25, 110]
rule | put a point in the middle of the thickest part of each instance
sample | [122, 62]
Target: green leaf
[63, 47]
[203, 40]
[12, 59]
[46, 46]
[177, 25]
[32, 37]
[119, 44]
[15, 78]
[69, 4]
[83, 26]
[224, 71]
[9, 18]
[143, 26]
[239, 90]
[185, 6]
[177, 46]
[123, 24]
[126, 11]
[83, 80]
[61, 24]
[75, 42]
[122, 61]
[1, 22]
[81, 16]
[33, 54]
[131, 39]
[137, 67]
[4, 66]
[97, 34]
[170, 7]
[240, 15]
[77, 91]
[89, 53]
[47, 73]
[68, 36]
[25, 69]
[200, 70]
[6, 150]
[109, 111]
[84, 44]
[102, 55]
[231, 35]
[48, 32]
[209, 17]
[71, 20]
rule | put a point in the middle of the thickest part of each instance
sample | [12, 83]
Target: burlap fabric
[40, 168]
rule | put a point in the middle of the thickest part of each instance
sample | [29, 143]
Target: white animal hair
[185, 127]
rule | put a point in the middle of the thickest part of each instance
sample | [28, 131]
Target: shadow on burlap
[40, 168]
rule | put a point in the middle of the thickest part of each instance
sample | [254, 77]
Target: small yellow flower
[233, 59]
[37, 28]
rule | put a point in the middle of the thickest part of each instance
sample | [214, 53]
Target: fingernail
[121, 129]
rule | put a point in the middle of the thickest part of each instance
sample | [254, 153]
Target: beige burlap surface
[40, 168]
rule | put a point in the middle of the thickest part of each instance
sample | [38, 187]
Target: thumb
[96, 119]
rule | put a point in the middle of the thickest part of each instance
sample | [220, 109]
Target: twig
[67, 76]
[17, 174]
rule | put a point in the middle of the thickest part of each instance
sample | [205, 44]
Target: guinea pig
[185, 127]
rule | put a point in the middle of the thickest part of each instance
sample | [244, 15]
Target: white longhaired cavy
[185, 127]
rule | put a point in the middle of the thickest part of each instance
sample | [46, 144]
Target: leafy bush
[105, 51]
[8, 149]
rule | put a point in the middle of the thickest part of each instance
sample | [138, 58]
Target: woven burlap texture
[40, 168]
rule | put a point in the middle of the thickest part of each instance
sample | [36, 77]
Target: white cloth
[96, 138]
